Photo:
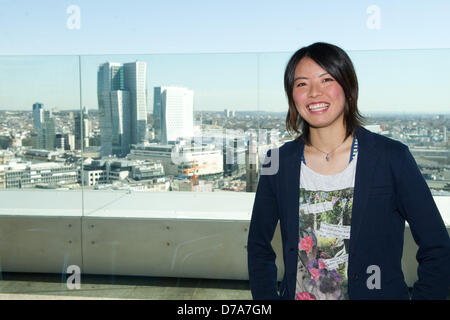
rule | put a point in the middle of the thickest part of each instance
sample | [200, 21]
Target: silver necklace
[327, 157]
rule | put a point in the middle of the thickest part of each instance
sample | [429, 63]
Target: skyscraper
[38, 115]
[157, 101]
[251, 165]
[177, 114]
[157, 111]
[44, 135]
[81, 129]
[109, 79]
[121, 123]
[47, 134]
[135, 74]
[122, 102]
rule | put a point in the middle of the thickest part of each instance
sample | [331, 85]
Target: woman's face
[318, 97]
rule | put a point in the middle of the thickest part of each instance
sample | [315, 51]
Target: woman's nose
[314, 90]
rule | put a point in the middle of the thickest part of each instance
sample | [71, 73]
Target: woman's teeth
[317, 107]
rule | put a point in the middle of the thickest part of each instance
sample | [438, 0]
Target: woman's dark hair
[337, 63]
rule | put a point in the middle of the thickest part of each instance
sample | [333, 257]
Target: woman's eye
[301, 84]
[327, 79]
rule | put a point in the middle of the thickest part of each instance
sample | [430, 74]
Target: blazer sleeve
[416, 204]
[262, 269]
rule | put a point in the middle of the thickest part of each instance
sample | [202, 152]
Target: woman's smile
[318, 107]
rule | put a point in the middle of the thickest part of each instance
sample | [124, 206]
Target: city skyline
[425, 136]
[390, 81]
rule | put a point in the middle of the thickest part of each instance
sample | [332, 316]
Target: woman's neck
[327, 139]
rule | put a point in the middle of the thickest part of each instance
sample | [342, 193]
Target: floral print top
[324, 231]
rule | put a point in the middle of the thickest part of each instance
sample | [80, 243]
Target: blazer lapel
[365, 169]
[291, 186]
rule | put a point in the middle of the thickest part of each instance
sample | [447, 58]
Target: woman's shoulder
[291, 144]
[394, 151]
[381, 140]
[290, 147]
[287, 146]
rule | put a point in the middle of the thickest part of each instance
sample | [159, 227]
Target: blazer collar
[365, 169]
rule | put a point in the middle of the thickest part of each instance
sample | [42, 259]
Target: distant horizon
[248, 111]
[230, 81]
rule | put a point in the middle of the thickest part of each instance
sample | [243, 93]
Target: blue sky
[142, 26]
[232, 54]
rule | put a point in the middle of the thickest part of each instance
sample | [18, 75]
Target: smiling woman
[326, 196]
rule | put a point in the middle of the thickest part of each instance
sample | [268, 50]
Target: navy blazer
[389, 190]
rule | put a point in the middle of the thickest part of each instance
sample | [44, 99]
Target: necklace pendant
[327, 158]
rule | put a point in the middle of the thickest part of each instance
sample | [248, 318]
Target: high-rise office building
[38, 115]
[234, 155]
[122, 126]
[157, 111]
[157, 101]
[45, 137]
[135, 74]
[109, 78]
[81, 129]
[122, 102]
[60, 141]
[69, 141]
[177, 114]
[251, 165]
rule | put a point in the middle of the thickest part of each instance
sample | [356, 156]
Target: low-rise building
[108, 170]
[28, 175]
[182, 160]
